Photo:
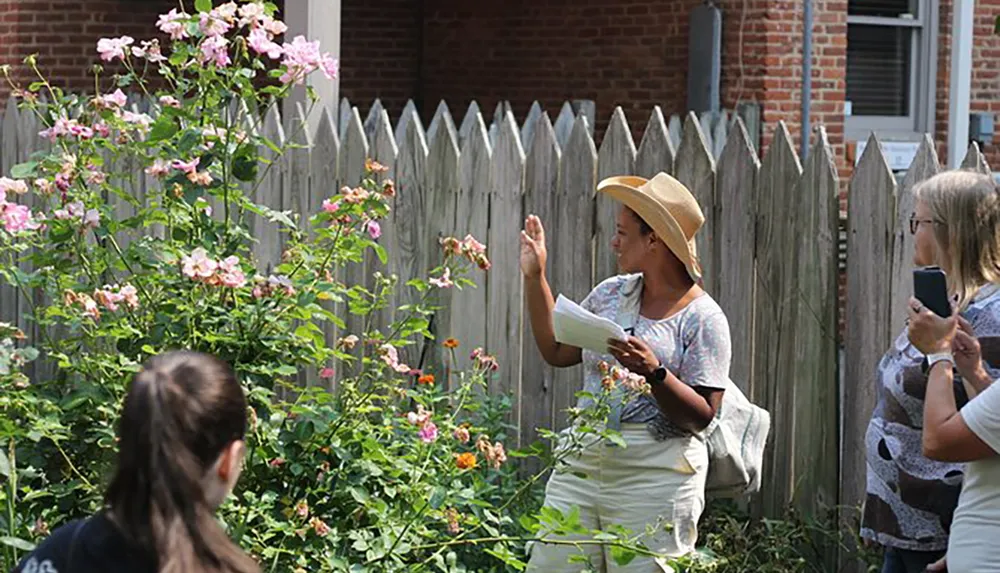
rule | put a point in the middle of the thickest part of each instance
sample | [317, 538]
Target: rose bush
[393, 469]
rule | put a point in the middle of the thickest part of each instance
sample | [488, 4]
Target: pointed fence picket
[768, 252]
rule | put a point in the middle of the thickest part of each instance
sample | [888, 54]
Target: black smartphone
[930, 287]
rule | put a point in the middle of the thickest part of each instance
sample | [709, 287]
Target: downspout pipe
[807, 52]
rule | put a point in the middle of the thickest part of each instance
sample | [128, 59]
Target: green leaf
[245, 163]
[163, 128]
[23, 170]
[188, 141]
[203, 5]
[17, 543]
[285, 370]
[617, 439]
[996, 26]
[621, 555]
[382, 256]
[4, 464]
[437, 498]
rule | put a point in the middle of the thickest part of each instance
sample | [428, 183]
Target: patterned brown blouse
[910, 499]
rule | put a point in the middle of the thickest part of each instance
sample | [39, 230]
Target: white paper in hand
[579, 327]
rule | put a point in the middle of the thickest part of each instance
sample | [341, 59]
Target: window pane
[878, 70]
[883, 8]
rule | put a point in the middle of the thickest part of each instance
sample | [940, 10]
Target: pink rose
[261, 43]
[212, 25]
[326, 373]
[15, 186]
[170, 101]
[214, 49]
[428, 433]
[330, 206]
[374, 230]
[113, 48]
[117, 99]
[173, 23]
[445, 280]
[18, 218]
[159, 168]
[189, 167]
[198, 265]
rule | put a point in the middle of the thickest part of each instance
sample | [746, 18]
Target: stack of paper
[578, 327]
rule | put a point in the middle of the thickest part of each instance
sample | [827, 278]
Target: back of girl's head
[965, 207]
[182, 411]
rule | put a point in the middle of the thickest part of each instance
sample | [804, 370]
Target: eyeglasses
[915, 223]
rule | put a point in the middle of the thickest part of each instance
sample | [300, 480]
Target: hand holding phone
[930, 287]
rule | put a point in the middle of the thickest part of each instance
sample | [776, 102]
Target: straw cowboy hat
[667, 206]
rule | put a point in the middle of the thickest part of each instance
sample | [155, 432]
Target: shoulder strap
[629, 300]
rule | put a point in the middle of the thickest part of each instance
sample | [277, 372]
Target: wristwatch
[659, 374]
[933, 359]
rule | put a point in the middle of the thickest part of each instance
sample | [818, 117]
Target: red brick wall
[631, 53]
[380, 53]
[985, 93]
[64, 34]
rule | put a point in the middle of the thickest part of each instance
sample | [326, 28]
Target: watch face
[660, 374]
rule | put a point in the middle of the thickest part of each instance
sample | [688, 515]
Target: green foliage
[387, 471]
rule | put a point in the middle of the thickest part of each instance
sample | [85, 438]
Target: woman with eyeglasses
[911, 498]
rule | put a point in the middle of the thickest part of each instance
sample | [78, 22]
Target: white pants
[645, 484]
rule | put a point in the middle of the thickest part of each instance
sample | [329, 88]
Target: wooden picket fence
[769, 252]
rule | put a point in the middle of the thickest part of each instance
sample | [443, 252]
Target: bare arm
[691, 408]
[540, 305]
[539, 296]
[946, 436]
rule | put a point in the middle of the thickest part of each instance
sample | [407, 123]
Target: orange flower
[465, 461]
[374, 166]
[450, 343]
[426, 379]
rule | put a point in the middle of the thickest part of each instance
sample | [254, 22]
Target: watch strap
[933, 359]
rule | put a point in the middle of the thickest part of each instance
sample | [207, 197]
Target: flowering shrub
[389, 472]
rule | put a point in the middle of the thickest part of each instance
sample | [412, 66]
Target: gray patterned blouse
[693, 344]
[910, 499]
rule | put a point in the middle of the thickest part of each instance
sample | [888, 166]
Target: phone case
[930, 287]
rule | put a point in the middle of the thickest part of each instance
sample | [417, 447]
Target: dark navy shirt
[93, 545]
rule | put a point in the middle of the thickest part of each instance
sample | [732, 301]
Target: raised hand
[533, 253]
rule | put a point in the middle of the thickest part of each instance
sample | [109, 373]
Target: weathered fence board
[472, 217]
[571, 254]
[975, 161]
[411, 167]
[323, 162]
[616, 157]
[439, 221]
[871, 220]
[656, 152]
[353, 153]
[384, 151]
[695, 168]
[503, 316]
[924, 166]
[541, 188]
[813, 381]
[735, 190]
[774, 310]
[9, 135]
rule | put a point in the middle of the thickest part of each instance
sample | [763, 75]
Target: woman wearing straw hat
[680, 344]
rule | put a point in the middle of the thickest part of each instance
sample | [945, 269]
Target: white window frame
[923, 79]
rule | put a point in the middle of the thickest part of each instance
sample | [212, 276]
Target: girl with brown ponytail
[180, 455]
